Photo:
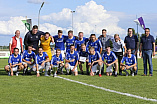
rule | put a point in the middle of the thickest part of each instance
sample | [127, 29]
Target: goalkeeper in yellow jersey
[45, 43]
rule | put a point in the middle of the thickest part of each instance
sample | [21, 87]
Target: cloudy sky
[90, 16]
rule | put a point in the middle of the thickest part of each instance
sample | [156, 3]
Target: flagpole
[39, 14]
[137, 27]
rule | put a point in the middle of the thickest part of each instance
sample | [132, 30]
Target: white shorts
[71, 68]
[109, 69]
[62, 52]
[14, 68]
[30, 66]
[42, 67]
[95, 68]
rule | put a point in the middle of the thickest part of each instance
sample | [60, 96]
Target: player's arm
[37, 70]
[140, 50]
[29, 62]
[113, 62]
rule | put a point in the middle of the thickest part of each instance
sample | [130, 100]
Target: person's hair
[147, 28]
[80, 33]
[30, 45]
[15, 49]
[116, 35]
[58, 50]
[70, 31]
[128, 49]
[41, 48]
[35, 27]
[47, 33]
[72, 45]
[107, 46]
[129, 29]
[91, 48]
[104, 30]
[83, 44]
[92, 35]
[16, 31]
[60, 31]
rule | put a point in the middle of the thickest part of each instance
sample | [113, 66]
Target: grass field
[49, 90]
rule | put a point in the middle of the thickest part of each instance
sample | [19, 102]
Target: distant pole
[137, 27]
[39, 14]
[72, 19]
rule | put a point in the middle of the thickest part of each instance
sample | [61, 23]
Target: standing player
[15, 63]
[59, 42]
[71, 60]
[95, 61]
[42, 62]
[57, 63]
[81, 40]
[28, 59]
[83, 55]
[130, 63]
[111, 59]
[94, 43]
[45, 44]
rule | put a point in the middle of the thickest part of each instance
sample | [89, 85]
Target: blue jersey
[94, 57]
[59, 42]
[28, 56]
[70, 56]
[39, 59]
[70, 42]
[55, 59]
[14, 60]
[129, 61]
[83, 53]
[97, 45]
[79, 42]
[109, 58]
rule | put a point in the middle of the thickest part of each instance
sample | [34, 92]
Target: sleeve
[11, 41]
[114, 56]
[134, 60]
[77, 57]
[141, 40]
[153, 39]
[86, 40]
[23, 55]
[99, 56]
[76, 44]
[61, 57]
[10, 60]
[36, 60]
[87, 46]
[123, 59]
[103, 56]
[34, 56]
[89, 56]
[125, 41]
[100, 45]
[136, 39]
[41, 33]
[122, 42]
[65, 38]
[26, 39]
[20, 59]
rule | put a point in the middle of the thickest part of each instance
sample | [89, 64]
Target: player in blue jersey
[71, 60]
[94, 43]
[42, 62]
[28, 59]
[70, 41]
[83, 57]
[57, 63]
[130, 63]
[60, 41]
[15, 63]
[80, 41]
[111, 61]
[95, 61]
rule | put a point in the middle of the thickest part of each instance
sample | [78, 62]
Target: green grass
[49, 90]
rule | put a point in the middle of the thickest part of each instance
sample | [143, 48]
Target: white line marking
[127, 94]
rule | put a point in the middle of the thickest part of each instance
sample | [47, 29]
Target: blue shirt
[55, 59]
[70, 56]
[70, 42]
[94, 57]
[28, 56]
[14, 60]
[97, 45]
[79, 42]
[59, 42]
[129, 61]
[131, 42]
[147, 42]
[39, 59]
[83, 53]
[109, 58]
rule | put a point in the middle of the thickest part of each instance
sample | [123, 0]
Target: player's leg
[109, 70]
[7, 69]
[60, 68]
[94, 69]
[87, 68]
[55, 67]
[80, 66]
[67, 67]
[75, 71]
[116, 68]
[25, 68]
[100, 67]
[47, 66]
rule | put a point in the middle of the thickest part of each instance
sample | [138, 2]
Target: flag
[140, 22]
[28, 23]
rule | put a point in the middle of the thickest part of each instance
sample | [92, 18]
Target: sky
[91, 16]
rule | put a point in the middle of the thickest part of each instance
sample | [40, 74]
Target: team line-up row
[95, 52]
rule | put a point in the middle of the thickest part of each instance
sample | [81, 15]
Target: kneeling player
[130, 63]
[83, 54]
[15, 63]
[71, 60]
[28, 59]
[111, 60]
[42, 62]
[57, 63]
[95, 61]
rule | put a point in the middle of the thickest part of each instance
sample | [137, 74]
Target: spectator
[147, 45]
[16, 42]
